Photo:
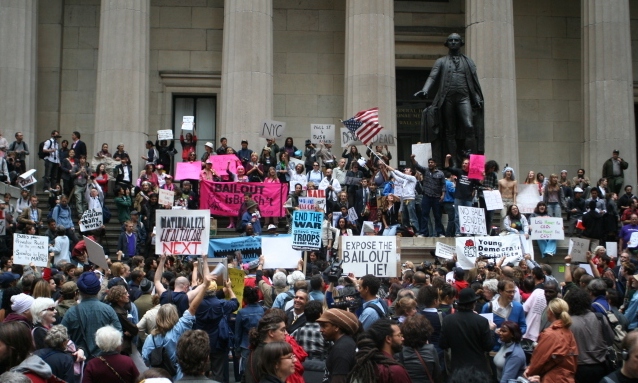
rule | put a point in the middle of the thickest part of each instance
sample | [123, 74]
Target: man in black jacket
[123, 173]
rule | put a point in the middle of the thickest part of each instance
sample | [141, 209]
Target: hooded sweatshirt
[35, 368]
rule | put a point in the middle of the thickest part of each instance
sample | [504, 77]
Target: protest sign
[301, 181]
[384, 138]
[27, 179]
[96, 253]
[225, 198]
[444, 251]
[348, 138]
[182, 231]
[91, 220]
[279, 252]
[477, 167]
[370, 228]
[319, 196]
[352, 215]
[376, 255]
[293, 162]
[166, 197]
[322, 133]
[306, 230]
[612, 249]
[164, 134]
[355, 181]
[272, 129]
[468, 249]
[587, 268]
[188, 170]
[421, 153]
[237, 283]
[547, 228]
[188, 122]
[306, 203]
[243, 249]
[493, 200]
[578, 248]
[527, 198]
[29, 249]
[3, 223]
[472, 220]
[633, 240]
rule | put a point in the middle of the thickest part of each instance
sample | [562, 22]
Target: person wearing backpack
[629, 370]
[160, 347]
[52, 160]
[373, 308]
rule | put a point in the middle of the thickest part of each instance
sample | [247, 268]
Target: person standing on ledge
[613, 170]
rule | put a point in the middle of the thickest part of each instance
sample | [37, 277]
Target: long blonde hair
[560, 311]
[167, 318]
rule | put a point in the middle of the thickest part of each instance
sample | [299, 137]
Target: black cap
[467, 296]
[308, 142]
[616, 151]
[244, 142]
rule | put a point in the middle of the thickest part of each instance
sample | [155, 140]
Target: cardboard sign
[27, 179]
[225, 198]
[182, 231]
[384, 138]
[468, 249]
[165, 134]
[91, 220]
[612, 249]
[306, 230]
[477, 167]
[547, 228]
[237, 283]
[527, 198]
[493, 200]
[166, 197]
[421, 153]
[96, 253]
[188, 170]
[578, 248]
[444, 251]
[472, 220]
[348, 138]
[278, 252]
[322, 133]
[272, 129]
[188, 122]
[376, 255]
[29, 249]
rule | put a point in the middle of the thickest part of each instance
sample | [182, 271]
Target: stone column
[121, 100]
[489, 41]
[247, 71]
[18, 71]
[370, 73]
[608, 104]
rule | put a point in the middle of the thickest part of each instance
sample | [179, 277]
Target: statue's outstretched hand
[421, 94]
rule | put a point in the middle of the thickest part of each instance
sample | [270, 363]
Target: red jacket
[460, 285]
[555, 358]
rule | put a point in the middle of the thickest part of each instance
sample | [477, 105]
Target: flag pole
[369, 148]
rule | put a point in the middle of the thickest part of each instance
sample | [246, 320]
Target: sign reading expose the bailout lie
[376, 255]
[182, 231]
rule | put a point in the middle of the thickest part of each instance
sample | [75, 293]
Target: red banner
[225, 198]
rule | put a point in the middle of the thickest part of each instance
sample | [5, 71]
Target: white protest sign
[376, 255]
[472, 220]
[306, 230]
[91, 220]
[302, 181]
[272, 129]
[278, 252]
[306, 203]
[29, 249]
[348, 139]
[547, 228]
[612, 249]
[27, 179]
[578, 248]
[444, 251]
[468, 249]
[96, 253]
[352, 215]
[488, 316]
[633, 240]
[370, 228]
[493, 200]
[166, 197]
[319, 196]
[421, 153]
[165, 134]
[182, 231]
[188, 122]
[322, 133]
[587, 268]
[527, 198]
[384, 138]
[293, 162]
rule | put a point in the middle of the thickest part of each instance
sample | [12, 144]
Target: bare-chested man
[508, 188]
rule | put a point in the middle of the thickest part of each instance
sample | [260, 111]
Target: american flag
[364, 125]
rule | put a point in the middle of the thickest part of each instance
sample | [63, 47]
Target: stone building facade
[557, 75]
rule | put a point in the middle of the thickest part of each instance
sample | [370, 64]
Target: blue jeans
[391, 230]
[547, 246]
[451, 214]
[553, 209]
[434, 204]
[457, 203]
[409, 207]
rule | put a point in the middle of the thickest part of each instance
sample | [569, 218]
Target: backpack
[613, 358]
[159, 358]
[616, 327]
[41, 153]
[385, 313]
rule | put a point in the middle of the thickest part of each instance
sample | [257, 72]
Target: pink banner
[477, 166]
[226, 160]
[225, 198]
[188, 170]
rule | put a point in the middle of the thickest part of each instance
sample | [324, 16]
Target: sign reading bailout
[369, 255]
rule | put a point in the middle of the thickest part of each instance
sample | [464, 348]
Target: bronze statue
[454, 121]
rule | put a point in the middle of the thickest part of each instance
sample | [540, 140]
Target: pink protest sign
[225, 198]
[477, 166]
[221, 162]
[188, 170]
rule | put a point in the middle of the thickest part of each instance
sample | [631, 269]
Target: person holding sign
[464, 193]
[189, 144]
[628, 236]
[546, 246]
[515, 222]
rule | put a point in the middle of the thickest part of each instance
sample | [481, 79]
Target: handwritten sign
[348, 138]
[91, 220]
[166, 134]
[29, 249]
[384, 138]
[189, 170]
[547, 228]
[272, 129]
[472, 220]
[444, 251]
[279, 252]
[306, 230]
[307, 203]
[319, 196]
[376, 255]
[188, 122]
[527, 198]
[166, 197]
[237, 283]
[322, 133]
[182, 231]
[633, 240]
[352, 215]
[96, 253]
[422, 152]
[477, 167]
[493, 200]
[578, 248]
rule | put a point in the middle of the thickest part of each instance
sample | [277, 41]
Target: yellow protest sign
[237, 279]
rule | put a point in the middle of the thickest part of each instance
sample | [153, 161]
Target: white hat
[210, 145]
[578, 190]
[271, 227]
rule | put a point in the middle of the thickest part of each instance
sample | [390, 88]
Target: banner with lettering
[182, 231]
[225, 198]
[512, 247]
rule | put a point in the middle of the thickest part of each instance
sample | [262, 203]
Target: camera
[351, 302]
[334, 271]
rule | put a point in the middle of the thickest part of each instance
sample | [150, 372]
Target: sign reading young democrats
[376, 255]
[182, 231]
[225, 198]
[468, 249]
[306, 230]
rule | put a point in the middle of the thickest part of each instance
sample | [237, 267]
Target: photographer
[311, 155]
[244, 153]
